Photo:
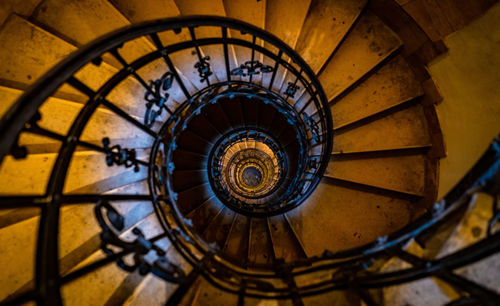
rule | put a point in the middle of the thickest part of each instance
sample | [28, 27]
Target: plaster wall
[468, 76]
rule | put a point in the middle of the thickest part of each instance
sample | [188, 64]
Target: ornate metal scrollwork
[251, 68]
[203, 67]
[17, 150]
[140, 247]
[313, 127]
[157, 95]
[291, 89]
[117, 155]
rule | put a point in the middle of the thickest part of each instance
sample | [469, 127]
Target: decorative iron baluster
[312, 125]
[203, 67]
[291, 89]
[18, 151]
[157, 95]
[140, 247]
[251, 68]
[117, 155]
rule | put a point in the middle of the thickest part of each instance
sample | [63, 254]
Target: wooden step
[400, 173]
[369, 42]
[392, 84]
[337, 217]
[325, 26]
[398, 129]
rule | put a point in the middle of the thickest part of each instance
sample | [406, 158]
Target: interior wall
[468, 77]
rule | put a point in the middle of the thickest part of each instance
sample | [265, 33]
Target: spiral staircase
[287, 154]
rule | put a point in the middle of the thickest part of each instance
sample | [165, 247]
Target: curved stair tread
[405, 128]
[326, 24]
[36, 172]
[45, 51]
[88, 172]
[186, 179]
[189, 199]
[151, 291]
[392, 84]
[218, 229]
[285, 20]
[285, 244]
[82, 21]
[369, 42]
[89, 243]
[403, 173]
[253, 12]
[260, 249]
[337, 217]
[208, 295]
[236, 245]
[17, 239]
[110, 276]
[203, 214]
[138, 10]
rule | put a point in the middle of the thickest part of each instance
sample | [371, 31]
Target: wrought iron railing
[301, 99]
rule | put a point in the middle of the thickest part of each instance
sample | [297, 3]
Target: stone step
[400, 173]
[397, 129]
[103, 282]
[78, 236]
[369, 42]
[338, 217]
[325, 26]
[33, 51]
[392, 84]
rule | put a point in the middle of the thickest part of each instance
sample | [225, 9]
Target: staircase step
[208, 295]
[105, 281]
[40, 50]
[253, 12]
[285, 243]
[404, 128]
[369, 42]
[285, 21]
[88, 172]
[203, 214]
[80, 22]
[326, 24]
[78, 233]
[218, 229]
[8, 96]
[57, 115]
[401, 173]
[260, 249]
[470, 231]
[183, 180]
[394, 83]
[17, 239]
[337, 217]
[236, 245]
[191, 198]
